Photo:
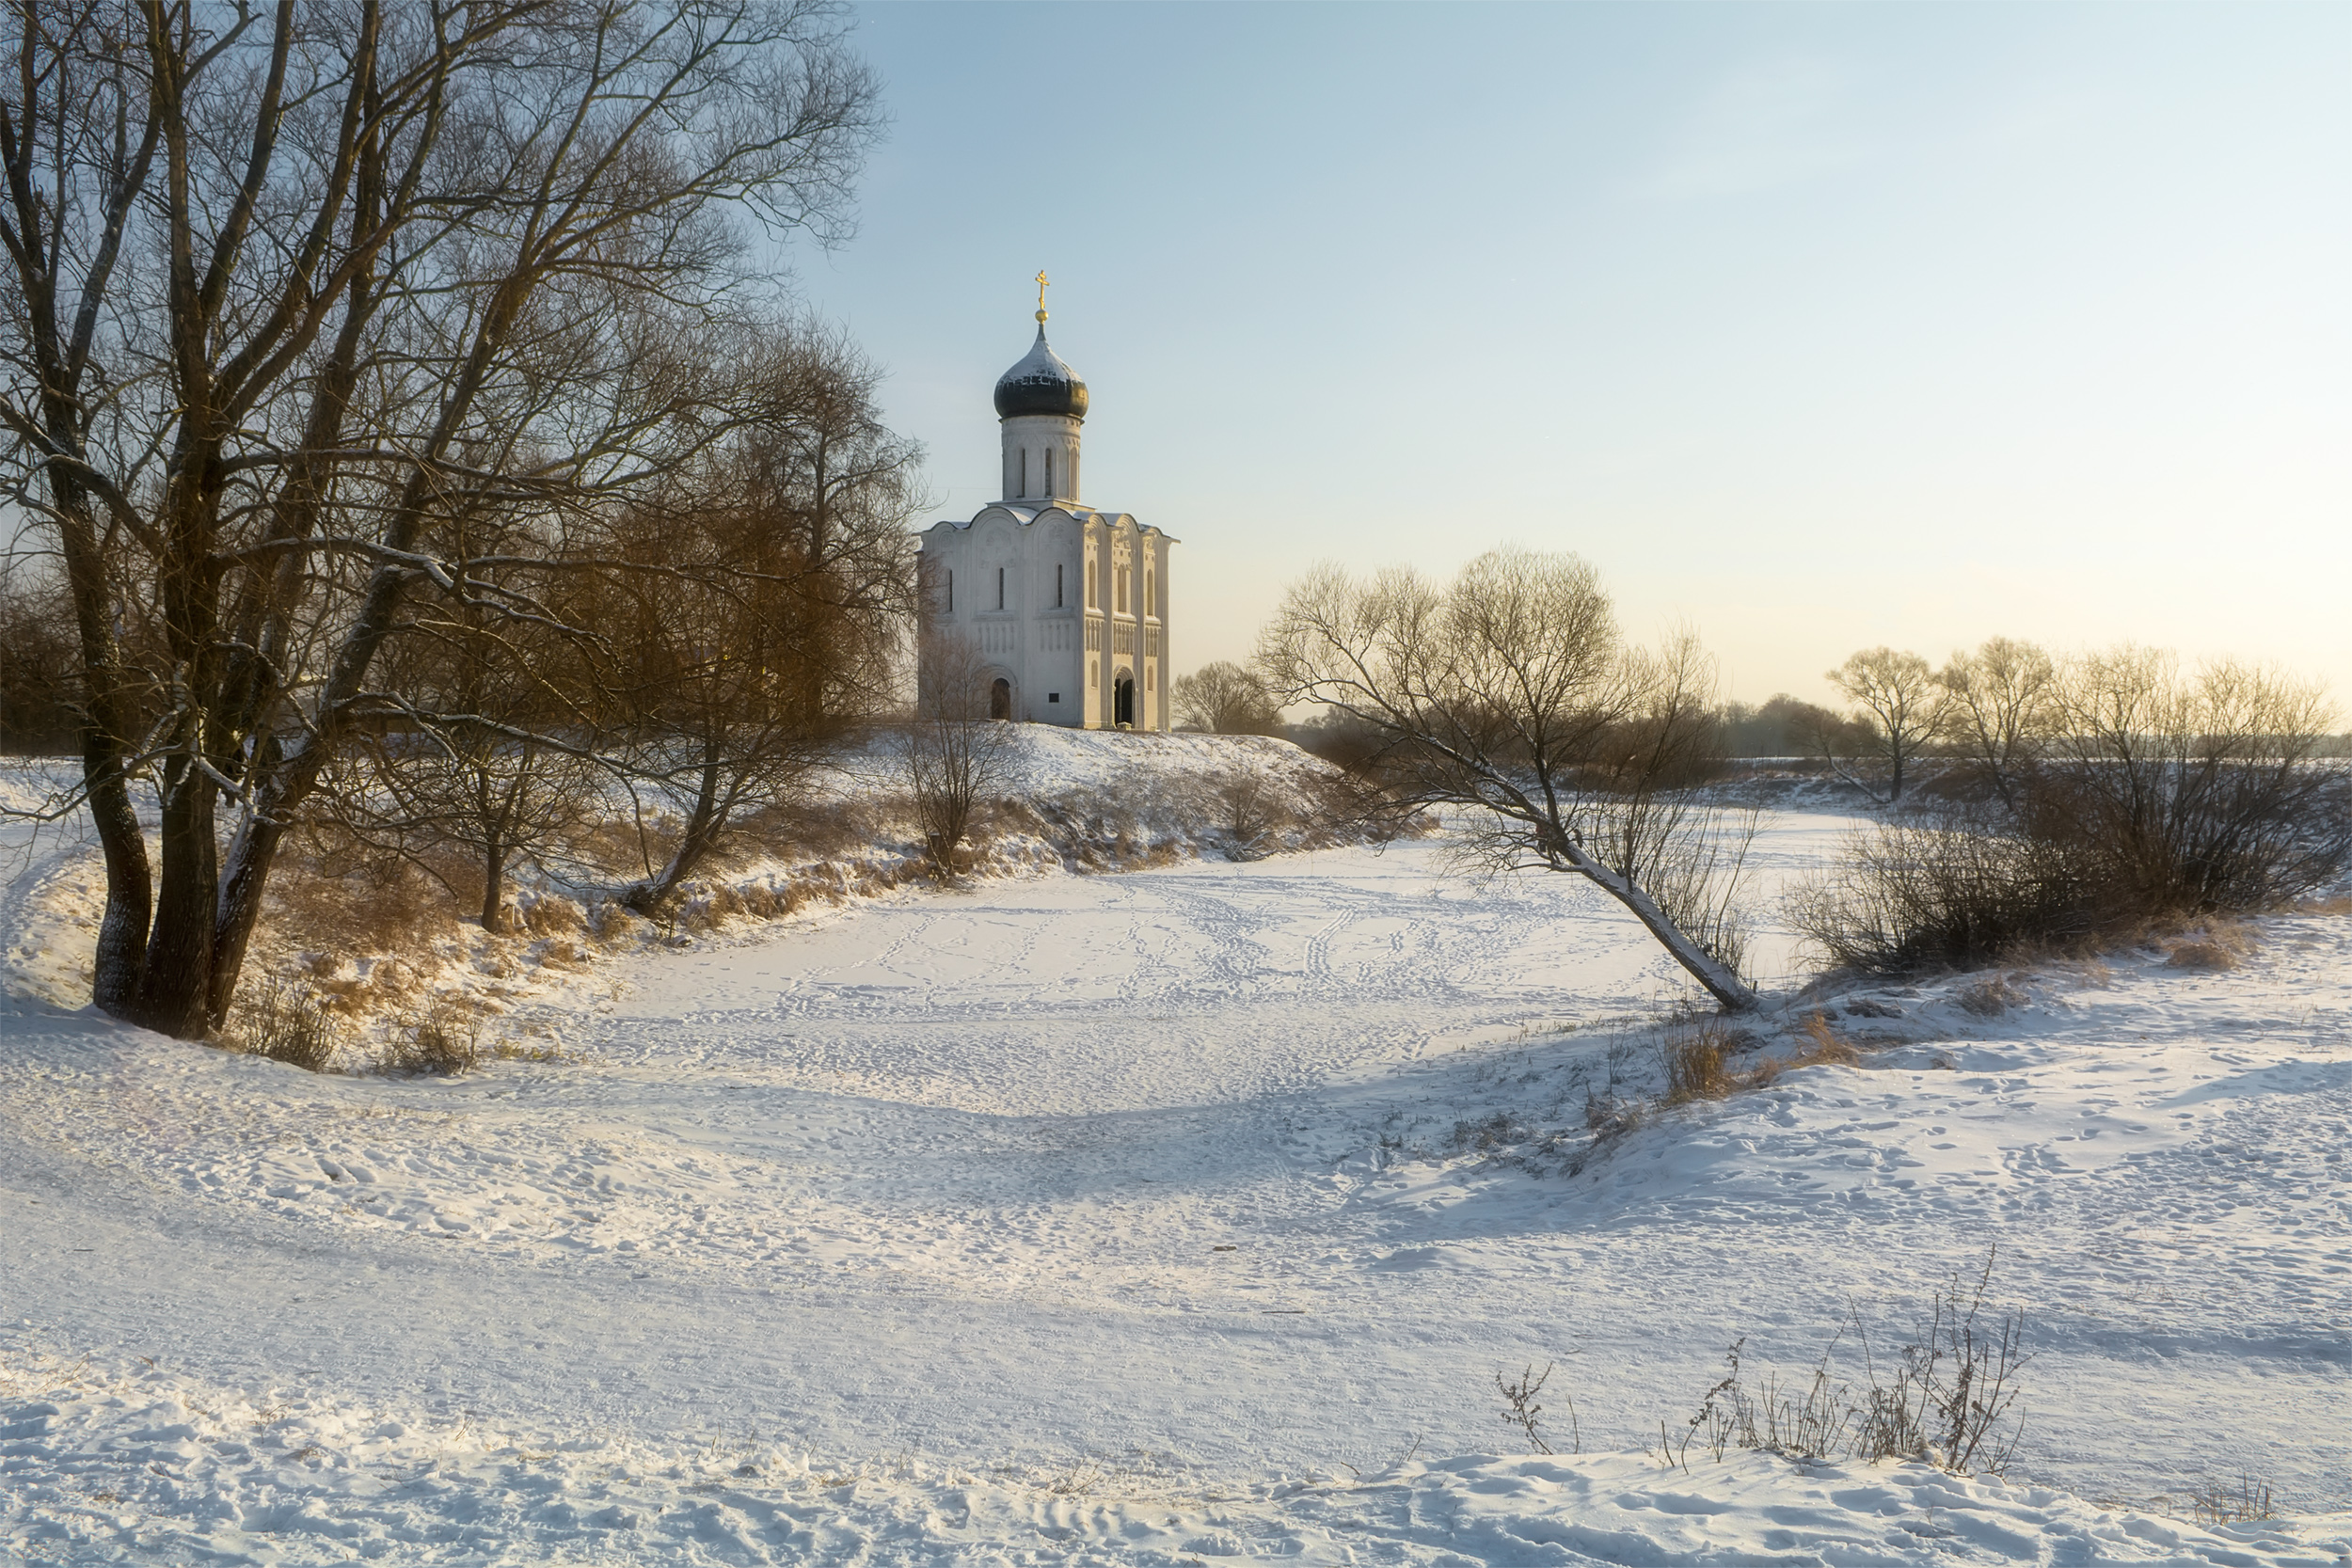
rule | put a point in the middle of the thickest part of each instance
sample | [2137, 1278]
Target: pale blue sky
[1812, 327]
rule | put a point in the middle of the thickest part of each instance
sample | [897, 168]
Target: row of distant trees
[2076, 794]
[403, 431]
[1973, 726]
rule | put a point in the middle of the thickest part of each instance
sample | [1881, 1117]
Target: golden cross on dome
[1042, 281]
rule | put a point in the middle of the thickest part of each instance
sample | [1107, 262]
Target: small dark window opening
[1053, 696]
[1058, 570]
[951, 593]
[1025, 470]
[1049, 471]
[1000, 587]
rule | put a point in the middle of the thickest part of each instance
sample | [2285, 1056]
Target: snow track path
[1143, 1190]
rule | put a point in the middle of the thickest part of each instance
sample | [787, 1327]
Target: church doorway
[1000, 698]
[1124, 709]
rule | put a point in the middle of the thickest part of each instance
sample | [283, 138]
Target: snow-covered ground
[1178, 1216]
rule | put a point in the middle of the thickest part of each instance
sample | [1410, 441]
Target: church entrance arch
[1000, 698]
[1123, 707]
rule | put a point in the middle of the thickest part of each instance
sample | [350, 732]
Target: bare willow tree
[496, 761]
[297, 290]
[1511, 691]
[1224, 698]
[951, 752]
[1897, 701]
[2193, 790]
[1996, 711]
[773, 585]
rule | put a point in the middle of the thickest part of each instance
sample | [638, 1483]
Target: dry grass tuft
[1822, 1047]
[552, 915]
[2219, 1502]
[1697, 1065]
[2341, 904]
[1990, 997]
[2218, 947]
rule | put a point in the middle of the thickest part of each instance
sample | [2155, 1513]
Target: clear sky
[1813, 327]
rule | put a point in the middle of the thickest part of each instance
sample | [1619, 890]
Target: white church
[1066, 604]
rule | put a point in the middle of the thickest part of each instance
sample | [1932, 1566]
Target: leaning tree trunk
[1722, 981]
[700, 835]
[494, 884]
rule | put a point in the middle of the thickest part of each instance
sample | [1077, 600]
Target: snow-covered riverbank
[1155, 1217]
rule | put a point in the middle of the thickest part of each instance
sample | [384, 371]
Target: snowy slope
[1150, 1219]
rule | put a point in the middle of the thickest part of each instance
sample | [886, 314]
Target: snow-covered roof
[1024, 513]
[1041, 383]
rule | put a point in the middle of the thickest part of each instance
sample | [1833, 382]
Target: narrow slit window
[1058, 570]
[1000, 587]
[951, 592]
[1025, 470]
[1049, 470]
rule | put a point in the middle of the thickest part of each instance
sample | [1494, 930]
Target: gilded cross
[1042, 281]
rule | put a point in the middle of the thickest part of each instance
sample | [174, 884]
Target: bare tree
[784, 626]
[496, 761]
[1223, 698]
[1785, 726]
[1895, 695]
[299, 290]
[2192, 792]
[951, 752]
[37, 692]
[1995, 710]
[1509, 690]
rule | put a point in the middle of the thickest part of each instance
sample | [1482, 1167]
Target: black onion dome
[1041, 383]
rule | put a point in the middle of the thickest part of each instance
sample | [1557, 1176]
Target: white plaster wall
[1079, 648]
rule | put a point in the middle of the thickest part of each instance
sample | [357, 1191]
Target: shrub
[442, 1042]
[285, 1023]
[2152, 797]
[1948, 1397]
[1947, 891]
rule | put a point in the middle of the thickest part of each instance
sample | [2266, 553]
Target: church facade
[1066, 604]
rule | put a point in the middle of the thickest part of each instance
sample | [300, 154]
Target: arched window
[1000, 587]
[1057, 568]
[1151, 594]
